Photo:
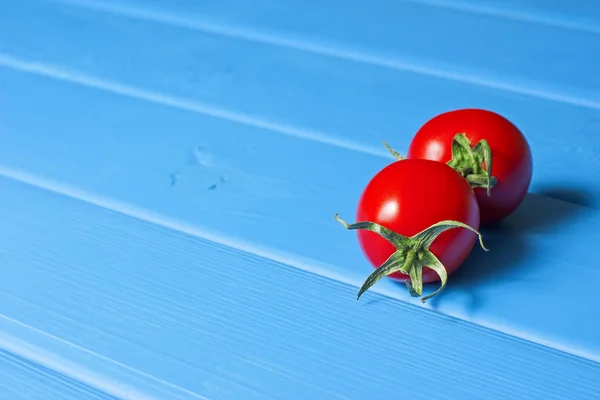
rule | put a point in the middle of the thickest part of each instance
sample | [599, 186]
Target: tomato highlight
[464, 168]
[406, 218]
[470, 141]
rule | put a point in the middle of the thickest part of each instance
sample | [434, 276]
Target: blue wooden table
[169, 171]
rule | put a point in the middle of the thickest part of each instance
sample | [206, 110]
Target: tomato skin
[409, 196]
[511, 155]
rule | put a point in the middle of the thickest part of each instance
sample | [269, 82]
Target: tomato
[419, 202]
[511, 162]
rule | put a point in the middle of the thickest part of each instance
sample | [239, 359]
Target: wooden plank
[132, 305]
[580, 15]
[508, 54]
[183, 150]
[20, 379]
[318, 97]
[278, 199]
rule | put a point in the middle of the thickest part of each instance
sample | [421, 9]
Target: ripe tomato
[410, 197]
[511, 162]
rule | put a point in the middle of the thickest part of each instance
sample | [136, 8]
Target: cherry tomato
[511, 161]
[409, 196]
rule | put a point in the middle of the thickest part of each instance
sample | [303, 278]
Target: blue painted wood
[157, 309]
[408, 35]
[581, 15]
[22, 379]
[216, 74]
[172, 174]
[181, 150]
[248, 193]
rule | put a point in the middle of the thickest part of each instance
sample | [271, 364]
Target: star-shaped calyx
[467, 161]
[411, 256]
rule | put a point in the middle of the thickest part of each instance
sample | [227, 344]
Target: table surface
[169, 172]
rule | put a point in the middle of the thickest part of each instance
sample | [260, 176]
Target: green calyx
[396, 155]
[467, 161]
[411, 256]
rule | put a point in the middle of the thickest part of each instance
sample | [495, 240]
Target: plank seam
[518, 16]
[330, 50]
[116, 88]
[296, 261]
[75, 371]
[30, 366]
[82, 79]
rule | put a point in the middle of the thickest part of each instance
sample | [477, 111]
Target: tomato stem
[411, 256]
[469, 162]
[396, 155]
[415, 284]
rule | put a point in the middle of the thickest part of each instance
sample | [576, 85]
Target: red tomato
[511, 156]
[409, 196]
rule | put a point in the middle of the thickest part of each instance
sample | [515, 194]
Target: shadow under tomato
[580, 196]
[508, 246]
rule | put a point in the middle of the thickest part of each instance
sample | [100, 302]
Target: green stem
[411, 256]
[396, 155]
[481, 181]
[415, 284]
[469, 162]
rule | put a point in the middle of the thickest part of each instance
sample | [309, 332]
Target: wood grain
[169, 173]
[154, 299]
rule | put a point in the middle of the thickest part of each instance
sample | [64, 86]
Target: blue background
[169, 171]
